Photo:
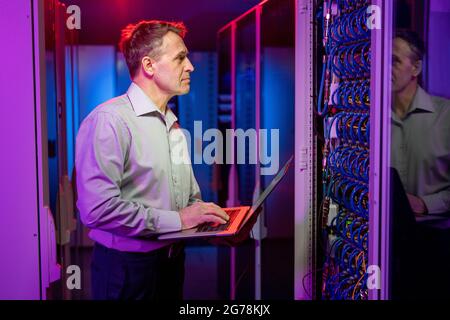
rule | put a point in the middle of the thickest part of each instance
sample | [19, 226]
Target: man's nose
[189, 66]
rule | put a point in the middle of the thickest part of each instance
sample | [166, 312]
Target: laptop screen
[272, 185]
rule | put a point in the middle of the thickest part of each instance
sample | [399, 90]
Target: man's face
[172, 69]
[404, 69]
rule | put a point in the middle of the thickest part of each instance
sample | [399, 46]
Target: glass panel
[245, 105]
[277, 113]
[420, 150]
[224, 106]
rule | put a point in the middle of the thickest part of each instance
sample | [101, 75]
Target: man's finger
[214, 219]
[218, 212]
[213, 205]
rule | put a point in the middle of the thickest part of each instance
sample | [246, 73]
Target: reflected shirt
[420, 150]
[133, 173]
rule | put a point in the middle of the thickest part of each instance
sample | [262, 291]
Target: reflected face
[172, 69]
[404, 68]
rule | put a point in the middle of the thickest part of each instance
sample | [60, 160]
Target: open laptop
[238, 216]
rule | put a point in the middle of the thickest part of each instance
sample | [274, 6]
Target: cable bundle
[350, 163]
[349, 61]
[350, 27]
[344, 103]
[352, 128]
[351, 5]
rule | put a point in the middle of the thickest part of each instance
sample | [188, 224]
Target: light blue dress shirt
[133, 173]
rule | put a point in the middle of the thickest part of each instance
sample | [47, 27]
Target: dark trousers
[155, 275]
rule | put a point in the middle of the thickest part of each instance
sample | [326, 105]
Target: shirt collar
[422, 101]
[142, 104]
[171, 118]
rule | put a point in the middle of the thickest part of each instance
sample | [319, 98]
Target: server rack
[350, 93]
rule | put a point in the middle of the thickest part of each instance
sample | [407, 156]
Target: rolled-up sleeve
[102, 146]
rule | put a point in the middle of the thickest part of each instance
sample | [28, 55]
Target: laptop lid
[262, 197]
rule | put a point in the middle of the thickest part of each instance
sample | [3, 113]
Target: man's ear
[147, 65]
[418, 66]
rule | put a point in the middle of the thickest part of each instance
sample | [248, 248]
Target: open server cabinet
[342, 114]
[342, 133]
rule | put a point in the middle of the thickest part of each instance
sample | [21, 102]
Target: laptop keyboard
[208, 226]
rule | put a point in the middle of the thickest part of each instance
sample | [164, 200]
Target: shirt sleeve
[195, 193]
[438, 202]
[102, 145]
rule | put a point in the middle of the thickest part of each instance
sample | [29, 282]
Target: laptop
[238, 216]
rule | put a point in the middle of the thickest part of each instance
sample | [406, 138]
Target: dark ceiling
[102, 20]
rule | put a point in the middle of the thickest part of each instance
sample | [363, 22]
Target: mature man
[133, 182]
[420, 131]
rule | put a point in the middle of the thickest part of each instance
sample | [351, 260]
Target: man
[133, 182]
[420, 131]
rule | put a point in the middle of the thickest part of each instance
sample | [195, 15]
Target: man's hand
[201, 212]
[417, 205]
[241, 236]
